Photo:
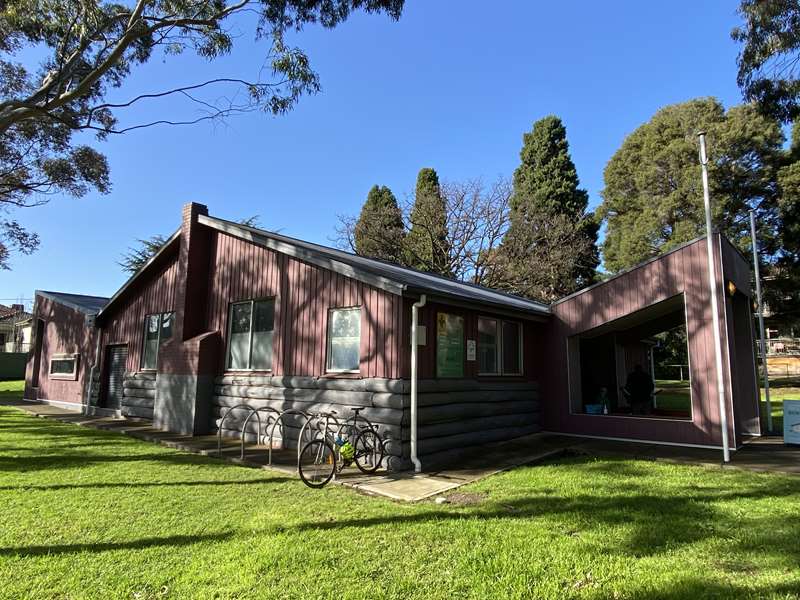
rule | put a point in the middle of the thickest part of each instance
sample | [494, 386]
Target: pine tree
[427, 247]
[379, 231]
[653, 197]
[550, 247]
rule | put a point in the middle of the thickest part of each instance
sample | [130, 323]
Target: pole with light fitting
[713, 288]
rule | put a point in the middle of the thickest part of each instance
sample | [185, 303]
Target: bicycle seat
[356, 409]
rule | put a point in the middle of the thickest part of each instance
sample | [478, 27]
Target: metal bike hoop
[256, 412]
[309, 419]
[222, 421]
[279, 419]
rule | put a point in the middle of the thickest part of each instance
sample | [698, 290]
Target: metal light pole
[763, 341]
[713, 288]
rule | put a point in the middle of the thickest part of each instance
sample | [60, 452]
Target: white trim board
[636, 441]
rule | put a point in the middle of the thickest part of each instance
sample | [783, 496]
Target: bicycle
[323, 457]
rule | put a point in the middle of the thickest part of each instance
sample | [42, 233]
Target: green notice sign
[449, 345]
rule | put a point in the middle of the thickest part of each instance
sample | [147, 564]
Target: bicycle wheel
[368, 451]
[317, 463]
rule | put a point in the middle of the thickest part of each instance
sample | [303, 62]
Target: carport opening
[637, 365]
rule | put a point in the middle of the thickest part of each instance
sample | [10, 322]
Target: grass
[11, 389]
[93, 514]
[675, 395]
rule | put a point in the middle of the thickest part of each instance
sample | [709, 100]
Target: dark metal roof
[90, 305]
[378, 273]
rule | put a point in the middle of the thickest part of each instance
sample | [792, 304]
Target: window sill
[246, 372]
[342, 375]
[63, 377]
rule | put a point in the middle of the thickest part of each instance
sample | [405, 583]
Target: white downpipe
[712, 286]
[414, 348]
[90, 387]
[763, 344]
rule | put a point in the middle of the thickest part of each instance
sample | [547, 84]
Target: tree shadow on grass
[655, 523]
[173, 540]
[140, 484]
[42, 462]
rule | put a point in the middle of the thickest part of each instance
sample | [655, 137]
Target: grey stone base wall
[138, 395]
[454, 415]
[383, 400]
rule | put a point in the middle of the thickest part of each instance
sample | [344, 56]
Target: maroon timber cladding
[682, 271]
[65, 332]
[304, 293]
[155, 292]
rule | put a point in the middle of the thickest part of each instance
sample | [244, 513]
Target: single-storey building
[227, 314]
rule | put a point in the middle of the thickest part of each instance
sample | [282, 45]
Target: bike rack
[256, 412]
[279, 420]
[225, 416]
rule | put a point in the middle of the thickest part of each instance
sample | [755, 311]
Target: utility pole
[713, 288]
[763, 341]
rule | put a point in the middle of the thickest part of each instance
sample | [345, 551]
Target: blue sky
[452, 85]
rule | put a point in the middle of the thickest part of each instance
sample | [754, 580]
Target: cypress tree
[550, 247]
[427, 246]
[379, 231]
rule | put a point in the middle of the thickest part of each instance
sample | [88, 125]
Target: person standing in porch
[640, 388]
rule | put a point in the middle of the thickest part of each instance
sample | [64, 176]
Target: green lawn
[93, 514]
[11, 389]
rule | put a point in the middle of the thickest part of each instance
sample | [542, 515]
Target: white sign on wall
[471, 351]
[791, 421]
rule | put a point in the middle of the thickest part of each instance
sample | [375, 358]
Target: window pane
[150, 350]
[345, 340]
[240, 318]
[151, 327]
[449, 345]
[239, 344]
[487, 346]
[265, 315]
[511, 348]
[167, 321]
[62, 366]
[263, 321]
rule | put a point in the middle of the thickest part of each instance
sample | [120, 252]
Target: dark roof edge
[56, 298]
[141, 271]
[633, 268]
[284, 245]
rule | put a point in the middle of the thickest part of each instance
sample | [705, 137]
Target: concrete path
[762, 454]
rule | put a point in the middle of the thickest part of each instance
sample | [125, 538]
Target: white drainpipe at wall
[90, 387]
[414, 348]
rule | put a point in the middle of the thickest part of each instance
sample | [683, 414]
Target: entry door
[116, 358]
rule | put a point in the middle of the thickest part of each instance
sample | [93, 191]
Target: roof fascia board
[485, 306]
[66, 303]
[303, 254]
[631, 269]
[141, 271]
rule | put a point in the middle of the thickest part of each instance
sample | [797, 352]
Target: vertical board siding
[125, 325]
[65, 332]
[682, 271]
[303, 293]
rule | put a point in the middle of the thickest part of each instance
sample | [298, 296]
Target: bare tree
[477, 219]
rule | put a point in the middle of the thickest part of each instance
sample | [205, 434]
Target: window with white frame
[157, 330]
[64, 366]
[250, 335]
[344, 340]
[499, 347]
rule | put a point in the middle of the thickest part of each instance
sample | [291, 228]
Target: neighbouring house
[15, 337]
[227, 314]
[15, 328]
